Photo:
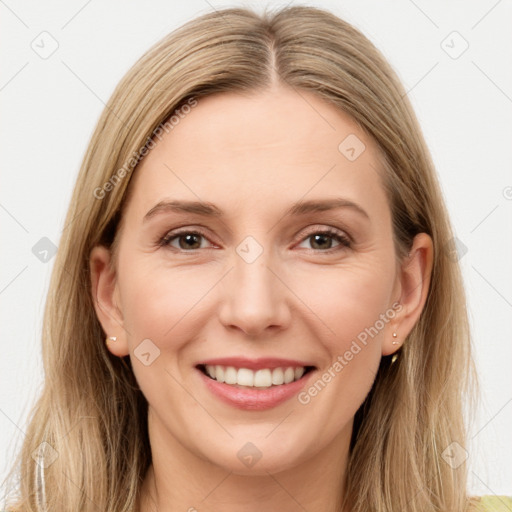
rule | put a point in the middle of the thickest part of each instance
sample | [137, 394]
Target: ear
[105, 297]
[413, 282]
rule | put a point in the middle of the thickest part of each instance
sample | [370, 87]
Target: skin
[253, 156]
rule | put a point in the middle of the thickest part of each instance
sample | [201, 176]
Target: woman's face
[256, 281]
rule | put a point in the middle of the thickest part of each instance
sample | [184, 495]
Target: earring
[395, 342]
[111, 338]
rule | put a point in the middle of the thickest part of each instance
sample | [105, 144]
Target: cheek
[159, 302]
[339, 302]
[346, 301]
[349, 308]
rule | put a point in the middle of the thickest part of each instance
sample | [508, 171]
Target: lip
[255, 364]
[254, 399]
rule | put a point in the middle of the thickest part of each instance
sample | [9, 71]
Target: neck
[179, 480]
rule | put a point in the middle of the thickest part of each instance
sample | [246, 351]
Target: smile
[263, 378]
[255, 389]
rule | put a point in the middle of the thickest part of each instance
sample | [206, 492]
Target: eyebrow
[210, 210]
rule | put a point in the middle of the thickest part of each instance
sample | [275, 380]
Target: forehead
[270, 147]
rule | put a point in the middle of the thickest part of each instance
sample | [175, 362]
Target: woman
[203, 350]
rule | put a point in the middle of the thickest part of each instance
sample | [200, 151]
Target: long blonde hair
[91, 412]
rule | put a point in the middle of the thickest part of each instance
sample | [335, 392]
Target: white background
[50, 107]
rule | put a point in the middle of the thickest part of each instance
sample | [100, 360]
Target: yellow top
[488, 503]
[492, 503]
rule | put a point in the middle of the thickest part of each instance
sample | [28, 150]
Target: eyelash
[344, 241]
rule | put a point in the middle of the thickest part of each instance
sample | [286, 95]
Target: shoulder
[493, 503]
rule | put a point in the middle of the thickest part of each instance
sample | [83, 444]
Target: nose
[255, 297]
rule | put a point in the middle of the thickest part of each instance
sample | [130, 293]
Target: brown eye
[322, 240]
[187, 240]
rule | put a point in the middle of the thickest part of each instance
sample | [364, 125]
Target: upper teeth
[260, 378]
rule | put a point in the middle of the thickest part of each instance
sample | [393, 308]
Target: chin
[256, 455]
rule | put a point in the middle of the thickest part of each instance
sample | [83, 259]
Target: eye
[322, 239]
[187, 240]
